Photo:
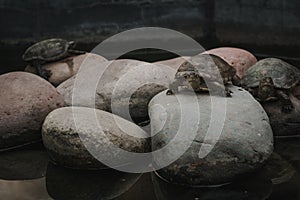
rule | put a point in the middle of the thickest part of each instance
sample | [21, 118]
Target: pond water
[27, 173]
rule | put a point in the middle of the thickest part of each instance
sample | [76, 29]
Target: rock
[174, 63]
[283, 124]
[66, 68]
[64, 183]
[124, 84]
[240, 59]
[74, 138]
[23, 164]
[216, 155]
[26, 99]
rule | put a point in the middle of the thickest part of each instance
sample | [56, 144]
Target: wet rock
[217, 139]
[26, 99]
[79, 138]
[117, 86]
[64, 183]
[174, 63]
[240, 59]
[62, 70]
[283, 124]
[23, 164]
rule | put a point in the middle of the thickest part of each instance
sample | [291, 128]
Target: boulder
[240, 59]
[25, 99]
[123, 87]
[208, 139]
[283, 124]
[85, 138]
[62, 70]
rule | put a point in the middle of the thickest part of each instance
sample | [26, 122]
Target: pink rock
[175, 62]
[66, 68]
[240, 59]
[25, 100]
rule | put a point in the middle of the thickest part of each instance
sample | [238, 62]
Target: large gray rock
[79, 138]
[283, 124]
[25, 100]
[62, 70]
[238, 140]
[123, 87]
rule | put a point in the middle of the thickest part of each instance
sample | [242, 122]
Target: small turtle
[204, 72]
[272, 79]
[49, 50]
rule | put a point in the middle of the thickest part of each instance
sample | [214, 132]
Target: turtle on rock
[49, 50]
[272, 79]
[203, 73]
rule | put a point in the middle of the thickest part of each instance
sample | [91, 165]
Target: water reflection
[23, 164]
[271, 182]
[65, 183]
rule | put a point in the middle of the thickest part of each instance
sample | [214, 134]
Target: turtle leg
[75, 52]
[236, 80]
[40, 71]
[221, 90]
[173, 88]
[287, 105]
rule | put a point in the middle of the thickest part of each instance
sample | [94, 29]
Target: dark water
[27, 174]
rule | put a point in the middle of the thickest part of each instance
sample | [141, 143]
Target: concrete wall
[270, 27]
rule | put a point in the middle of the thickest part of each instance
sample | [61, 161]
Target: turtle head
[266, 89]
[72, 44]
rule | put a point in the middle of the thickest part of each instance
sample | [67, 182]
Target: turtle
[272, 79]
[203, 73]
[49, 50]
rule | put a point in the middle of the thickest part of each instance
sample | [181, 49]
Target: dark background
[264, 27]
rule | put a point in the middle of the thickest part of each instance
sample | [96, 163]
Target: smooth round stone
[240, 59]
[66, 68]
[64, 183]
[26, 99]
[125, 87]
[283, 124]
[69, 133]
[245, 142]
[174, 62]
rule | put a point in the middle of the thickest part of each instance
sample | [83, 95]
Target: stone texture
[124, 84]
[240, 59]
[283, 124]
[68, 134]
[66, 68]
[245, 143]
[25, 99]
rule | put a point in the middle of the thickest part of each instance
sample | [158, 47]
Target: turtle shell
[284, 75]
[209, 66]
[47, 50]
